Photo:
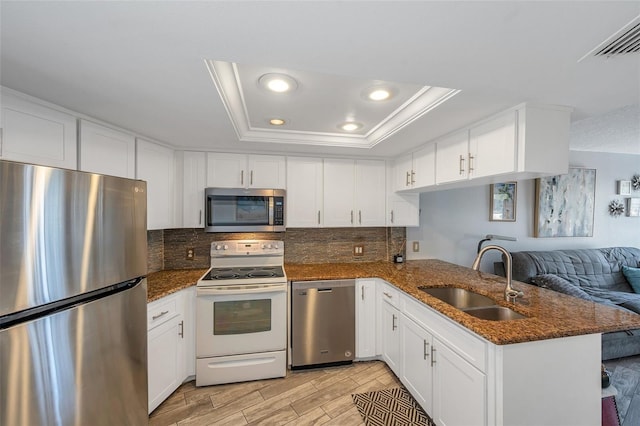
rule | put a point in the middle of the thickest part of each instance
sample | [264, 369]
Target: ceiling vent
[624, 41]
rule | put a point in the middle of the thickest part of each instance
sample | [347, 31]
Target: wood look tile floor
[318, 396]
[625, 378]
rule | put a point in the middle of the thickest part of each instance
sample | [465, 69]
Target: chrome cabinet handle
[360, 217]
[391, 216]
[408, 181]
[161, 314]
[241, 177]
[200, 219]
[181, 332]
[318, 217]
[393, 322]
[461, 165]
[471, 157]
[387, 294]
[251, 178]
[352, 217]
[413, 175]
[433, 355]
[426, 346]
[362, 291]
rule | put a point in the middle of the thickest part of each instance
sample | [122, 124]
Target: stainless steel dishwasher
[323, 322]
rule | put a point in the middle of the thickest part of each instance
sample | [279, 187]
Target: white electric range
[241, 329]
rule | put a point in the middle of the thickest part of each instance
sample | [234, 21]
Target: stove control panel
[247, 248]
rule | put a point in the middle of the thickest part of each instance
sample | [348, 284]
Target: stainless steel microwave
[244, 210]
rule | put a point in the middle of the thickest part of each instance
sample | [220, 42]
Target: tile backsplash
[167, 248]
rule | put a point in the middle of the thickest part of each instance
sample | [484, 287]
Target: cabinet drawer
[389, 294]
[463, 342]
[161, 310]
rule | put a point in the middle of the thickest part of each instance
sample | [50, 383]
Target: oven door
[240, 319]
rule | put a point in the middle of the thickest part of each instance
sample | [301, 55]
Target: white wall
[453, 221]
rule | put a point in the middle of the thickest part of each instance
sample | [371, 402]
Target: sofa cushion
[556, 283]
[633, 276]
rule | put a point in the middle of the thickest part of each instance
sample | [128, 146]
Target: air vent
[626, 41]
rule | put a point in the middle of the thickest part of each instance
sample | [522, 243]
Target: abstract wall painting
[565, 204]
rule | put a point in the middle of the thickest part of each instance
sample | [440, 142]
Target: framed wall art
[565, 204]
[633, 207]
[502, 206]
[624, 187]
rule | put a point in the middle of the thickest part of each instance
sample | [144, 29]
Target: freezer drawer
[322, 322]
[86, 365]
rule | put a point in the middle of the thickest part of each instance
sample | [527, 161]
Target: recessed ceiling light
[279, 83]
[276, 122]
[350, 126]
[378, 93]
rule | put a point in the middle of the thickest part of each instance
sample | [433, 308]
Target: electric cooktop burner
[244, 272]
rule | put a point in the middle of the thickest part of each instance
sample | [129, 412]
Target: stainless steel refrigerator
[73, 298]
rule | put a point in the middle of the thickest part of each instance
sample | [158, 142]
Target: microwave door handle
[271, 207]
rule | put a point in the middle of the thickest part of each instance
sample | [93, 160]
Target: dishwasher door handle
[325, 290]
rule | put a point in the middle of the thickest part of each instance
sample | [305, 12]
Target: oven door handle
[244, 289]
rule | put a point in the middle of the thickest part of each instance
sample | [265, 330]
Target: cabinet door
[106, 151]
[365, 318]
[417, 373]
[390, 335]
[424, 167]
[403, 209]
[266, 171]
[34, 133]
[451, 157]
[369, 193]
[164, 361]
[155, 164]
[226, 170]
[456, 380]
[492, 146]
[402, 168]
[304, 192]
[188, 337]
[193, 183]
[338, 199]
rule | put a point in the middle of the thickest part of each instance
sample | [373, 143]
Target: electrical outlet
[358, 250]
[416, 246]
[190, 253]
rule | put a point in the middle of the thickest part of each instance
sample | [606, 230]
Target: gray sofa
[591, 274]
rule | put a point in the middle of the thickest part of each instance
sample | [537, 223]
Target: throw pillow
[559, 284]
[633, 276]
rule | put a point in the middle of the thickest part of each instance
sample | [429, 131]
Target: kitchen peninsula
[542, 369]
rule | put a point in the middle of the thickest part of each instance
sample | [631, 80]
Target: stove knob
[218, 247]
[225, 247]
[270, 246]
[264, 246]
[275, 246]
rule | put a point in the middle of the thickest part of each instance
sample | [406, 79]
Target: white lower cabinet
[417, 371]
[390, 335]
[455, 381]
[366, 318]
[170, 344]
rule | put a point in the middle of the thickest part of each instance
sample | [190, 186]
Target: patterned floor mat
[390, 407]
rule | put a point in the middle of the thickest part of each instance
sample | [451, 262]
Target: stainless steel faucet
[510, 293]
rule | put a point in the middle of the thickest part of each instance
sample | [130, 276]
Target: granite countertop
[163, 283]
[550, 314]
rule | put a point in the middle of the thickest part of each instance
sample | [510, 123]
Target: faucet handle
[513, 294]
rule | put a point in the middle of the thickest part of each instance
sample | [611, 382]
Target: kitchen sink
[459, 297]
[472, 303]
[495, 313]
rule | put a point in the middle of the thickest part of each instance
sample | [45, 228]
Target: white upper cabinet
[370, 179]
[246, 171]
[35, 133]
[193, 184]
[155, 165]
[452, 154]
[492, 146]
[106, 151]
[304, 192]
[403, 209]
[354, 193]
[415, 170]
